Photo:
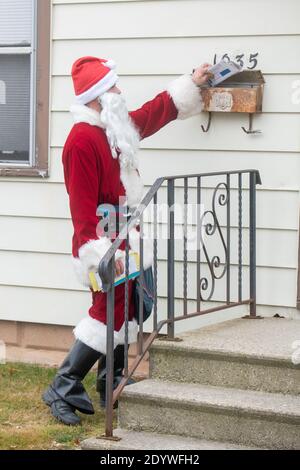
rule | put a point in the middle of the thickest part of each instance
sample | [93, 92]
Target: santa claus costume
[101, 164]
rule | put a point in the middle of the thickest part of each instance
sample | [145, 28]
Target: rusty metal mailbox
[241, 93]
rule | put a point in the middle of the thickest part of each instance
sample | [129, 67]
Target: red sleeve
[83, 188]
[154, 114]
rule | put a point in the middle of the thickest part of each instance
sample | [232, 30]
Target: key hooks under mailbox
[241, 93]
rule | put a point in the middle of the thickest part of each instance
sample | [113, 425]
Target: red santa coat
[93, 177]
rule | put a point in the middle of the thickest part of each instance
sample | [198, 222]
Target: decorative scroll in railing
[225, 213]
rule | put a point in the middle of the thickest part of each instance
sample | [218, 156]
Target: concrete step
[131, 440]
[243, 417]
[243, 354]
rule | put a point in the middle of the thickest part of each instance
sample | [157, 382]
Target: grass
[26, 422]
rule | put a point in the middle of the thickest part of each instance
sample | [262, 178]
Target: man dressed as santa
[100, 163]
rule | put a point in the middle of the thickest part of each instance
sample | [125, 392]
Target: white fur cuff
[91, 253]
[186, 96]
[89, 257]
[93, 333]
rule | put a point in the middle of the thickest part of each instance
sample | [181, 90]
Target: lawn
[26, 422]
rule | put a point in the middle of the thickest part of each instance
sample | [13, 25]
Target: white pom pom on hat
[111, 64]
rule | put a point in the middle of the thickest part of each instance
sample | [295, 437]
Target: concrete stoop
[135, 440]
[226, 386]
[206, 412]
[244, 354]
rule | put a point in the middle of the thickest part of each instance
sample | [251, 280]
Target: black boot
[66, 393]
[101, 381]
[118, 374]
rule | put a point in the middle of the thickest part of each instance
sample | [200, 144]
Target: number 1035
[248, 61]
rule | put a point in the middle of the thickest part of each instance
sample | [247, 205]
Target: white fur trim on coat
[134, 242]
[186, 96]
[133, 186]
[82, 113]
[93, 333]
[89, 257]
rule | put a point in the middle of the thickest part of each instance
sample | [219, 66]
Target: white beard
[119, 128]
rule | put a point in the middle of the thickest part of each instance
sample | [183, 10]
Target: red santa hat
[92, 77]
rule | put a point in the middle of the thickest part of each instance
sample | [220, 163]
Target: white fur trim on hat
[93, 333]
[186, 96]
[89, 257]
[98, 89]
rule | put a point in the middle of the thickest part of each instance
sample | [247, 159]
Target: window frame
[39, 89]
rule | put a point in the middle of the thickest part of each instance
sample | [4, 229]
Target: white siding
[41, 270]
[225, 134]
[156, 56]
[157, 41]
[277, 93]
[173, 19]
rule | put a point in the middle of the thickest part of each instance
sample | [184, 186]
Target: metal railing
[235, 197]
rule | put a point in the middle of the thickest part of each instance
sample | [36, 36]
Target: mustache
[115, 103]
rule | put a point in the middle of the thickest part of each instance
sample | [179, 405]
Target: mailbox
[241, 93]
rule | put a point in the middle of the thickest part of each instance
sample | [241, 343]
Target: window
[24, 87]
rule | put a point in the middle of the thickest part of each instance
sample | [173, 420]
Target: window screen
[16, 54]
[14, 107]
[16, 22]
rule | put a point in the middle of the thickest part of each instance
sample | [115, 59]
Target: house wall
[152, 43]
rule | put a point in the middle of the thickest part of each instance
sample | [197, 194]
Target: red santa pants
[98, 309]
